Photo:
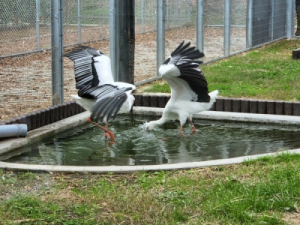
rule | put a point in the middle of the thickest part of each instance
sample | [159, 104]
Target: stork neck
[159, 122]
[155, 123]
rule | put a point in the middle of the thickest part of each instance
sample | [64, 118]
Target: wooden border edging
[229, 105]
[47, 116]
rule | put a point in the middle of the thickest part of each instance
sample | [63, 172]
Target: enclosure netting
[25, 26]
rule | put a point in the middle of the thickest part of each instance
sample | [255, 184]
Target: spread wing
[184, 76]
[91, 67]
[94, 80]
[108, 105]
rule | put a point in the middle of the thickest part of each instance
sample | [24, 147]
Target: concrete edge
[227, 116]
[131, 169]
[43, 132]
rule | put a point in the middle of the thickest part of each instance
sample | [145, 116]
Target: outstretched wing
[95, 81]
[183, 74]
[92, 68]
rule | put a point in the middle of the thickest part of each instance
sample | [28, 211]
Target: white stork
[97, 90]
[189, 92]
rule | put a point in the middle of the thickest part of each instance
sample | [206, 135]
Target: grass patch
[268, 72]
[259, 191]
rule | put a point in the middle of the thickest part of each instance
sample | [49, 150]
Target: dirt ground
[26, 79]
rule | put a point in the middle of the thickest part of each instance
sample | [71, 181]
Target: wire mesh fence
[25, 27]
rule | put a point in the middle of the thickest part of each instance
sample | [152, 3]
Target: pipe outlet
[13, 130]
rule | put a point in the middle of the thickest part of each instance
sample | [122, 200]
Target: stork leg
[193, 126]
[181, 130]
[111, 134]
[131, 115]
[106, 135]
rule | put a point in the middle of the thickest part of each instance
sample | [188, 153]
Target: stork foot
[181, 132]
[107, 132]
[106, 135]
[194, 130]
[193, 126]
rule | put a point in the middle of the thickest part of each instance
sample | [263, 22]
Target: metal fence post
[176, 17]
[200, 25]
[57, 52]
[227, 6]
[272, 20]
[189, 11]
[125, 40]
[112, 36]
[122, 39]
[290, 21]
[160, 33]
[167, 9]
[37, 5]
[79, 21]
[249, 24]
[143, 16]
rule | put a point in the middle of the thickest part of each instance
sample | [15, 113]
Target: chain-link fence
[226, 27]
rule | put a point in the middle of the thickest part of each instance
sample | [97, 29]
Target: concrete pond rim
[33, 136]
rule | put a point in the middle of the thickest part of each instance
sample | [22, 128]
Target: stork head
[149, 126]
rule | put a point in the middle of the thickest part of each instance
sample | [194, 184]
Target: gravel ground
[26, 80]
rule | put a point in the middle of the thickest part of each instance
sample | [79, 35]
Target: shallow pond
[85, 145]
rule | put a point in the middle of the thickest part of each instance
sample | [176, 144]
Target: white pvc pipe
[13, 130]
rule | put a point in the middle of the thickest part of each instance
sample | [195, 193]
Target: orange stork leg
[110, 133]
[193, 126]
[106, 135]
[181, 131]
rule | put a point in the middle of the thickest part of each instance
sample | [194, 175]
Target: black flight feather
[109, 105]
[85, 71]
[184, 58]
[109, 98]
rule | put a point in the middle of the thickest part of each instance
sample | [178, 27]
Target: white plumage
[189, 91]
[97, 90]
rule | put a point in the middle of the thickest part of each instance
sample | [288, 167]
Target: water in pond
[85, 145]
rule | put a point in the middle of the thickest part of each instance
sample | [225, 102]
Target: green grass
[268, 72]
[262, 191]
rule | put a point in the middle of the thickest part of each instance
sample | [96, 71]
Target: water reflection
[134, 146]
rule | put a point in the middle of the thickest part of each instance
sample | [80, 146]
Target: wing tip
[80, 48]
[187, 51]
